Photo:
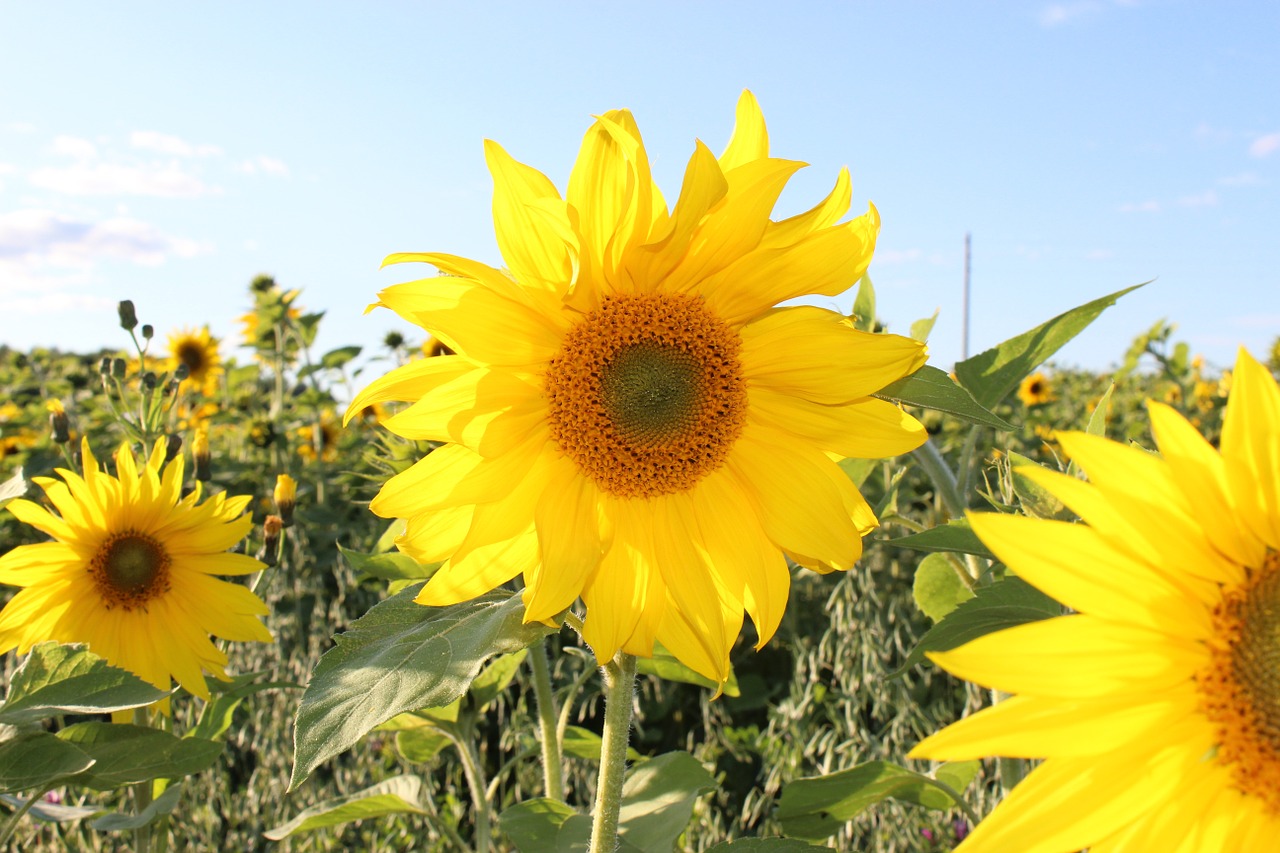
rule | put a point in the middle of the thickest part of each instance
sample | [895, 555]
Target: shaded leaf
[52, 812]
[664, 665]
[920, 329]
[938, 588]
[956, 536]
[495, 678]
[421, 744]
[584, 743]
[930, 388]
[398, 657]
[336, 358]
[991, 375]
[390, 566]
[126, 754]
[545, 826]
[1035, 500]
[56, 679]
[38, 760]
[658, 798]
[160, 806]
[397, 795]
[857, 470]
[864, 305]
[216, 716]
[764, 845]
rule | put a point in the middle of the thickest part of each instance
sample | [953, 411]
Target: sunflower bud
[200, 452]
[270, 549]
[128, 317]
[118, 368]
[104, 366]
[58, 422]
[172, 446]
[148, 331]
[285, 493]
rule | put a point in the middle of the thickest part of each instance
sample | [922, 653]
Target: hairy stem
[619, 685]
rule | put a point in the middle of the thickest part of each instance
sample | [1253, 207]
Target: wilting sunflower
[1157, 704]
[131, 571]
[628, 418]
[198, 350]
[1035, 390]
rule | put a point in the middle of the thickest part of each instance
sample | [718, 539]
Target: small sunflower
[130, 572]
[319, 440]
[198, 350]
[1156, 705]
[1035, 390]
[628, 417]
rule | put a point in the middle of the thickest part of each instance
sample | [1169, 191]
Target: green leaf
[857, 470]
[817, 808]
[938, 588]
[336, 358]
[397, 795]
[658, 798]
[160, 806]
[1001, 605]
[955, 536]
[991, 375]
[765, 845]
[127, 754]
[1035, 499]
[920, 329]
[387, 540]
[14, 487]
[546, 826]
[52, 812]
[56, 679]
[398, 657]
[392, 566]
[586, 744]
[38, 760]
[930, 388]
[421, 744]
[495, 678]
[216, 716]
[664, 665]
[864, 305]
[1098, 417]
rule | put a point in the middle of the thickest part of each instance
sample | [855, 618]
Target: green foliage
[56, 680]
[930, 388]
[955, 536]
[397, 795]
[939, 586]
[124, 754]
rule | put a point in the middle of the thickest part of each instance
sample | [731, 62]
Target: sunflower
[319, 440]
[130, 572]
[198, 350]
[1156, 705]
[628, 418]
[1035, 390]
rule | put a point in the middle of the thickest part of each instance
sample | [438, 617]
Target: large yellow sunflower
[1157, 704]
[628, 418]
[198, 350]
[130, 572]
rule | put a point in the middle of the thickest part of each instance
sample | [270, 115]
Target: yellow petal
[816, 354]
[488, 411]
[750, 139]
[704, 186]
[865, 429]
[1251, 447]
[530, 244]
[481, 570]
[822, 215]
[408, 382]
[567, 520]
[626, 588]
[431, 537]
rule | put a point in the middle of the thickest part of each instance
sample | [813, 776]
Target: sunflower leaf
[938, 588]
[56, 679]
[991, 375]
[393, 566]
[398, 657]
[955, 536]
[930, 388]
[664, 665]
[14, 487]
[159, 807]
[126, 754]
[1001, 605]
[37, 761]
[765, 845]
[397, 795]
[817, 808]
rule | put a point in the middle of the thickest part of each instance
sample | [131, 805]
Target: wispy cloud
[20, 127]
[1099, 255]
[1208, 198]
[1265, 146]
[1057, 14]
[264, 164]
[1150, 206]
[166, 180]
[35, 239]
[163, 143]
[1244, 179]
[74, 147]
[55, 303]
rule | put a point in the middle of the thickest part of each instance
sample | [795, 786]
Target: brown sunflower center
[646, 394]
[192, 354]
[1241, 685]
[129, 569]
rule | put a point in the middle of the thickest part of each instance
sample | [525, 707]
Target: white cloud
[20, 127]
[1264, 146]
[166, 180]
[264, 164]
[1099, 255]
[56, 303]
[164, 143]
[74, 147]
[1208, 198]
[1244, 179]
[1140, 207]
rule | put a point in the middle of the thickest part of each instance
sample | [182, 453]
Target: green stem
[933, 463]
[476, 782]
[11, 825]
[552, 762]
[619, 687]
[142, 794]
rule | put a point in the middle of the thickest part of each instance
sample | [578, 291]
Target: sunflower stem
[933, 463]
[619, 685]
[474, 772]
[142, 792]
[552, 762]
[11, 825]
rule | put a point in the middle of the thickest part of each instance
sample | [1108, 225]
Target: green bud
[148, 331]
[118, 368]
[128, 318]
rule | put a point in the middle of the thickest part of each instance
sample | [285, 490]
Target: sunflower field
[631, 551]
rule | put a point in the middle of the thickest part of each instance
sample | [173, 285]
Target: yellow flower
[199, 352]
[1156, 705]
[130, 572]
[1035, 390]
[319, 440]
[628, 417]
[285, 496]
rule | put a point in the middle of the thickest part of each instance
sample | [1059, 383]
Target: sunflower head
[625, 416]
[130, 571]
[1035, 390]
[197, 351]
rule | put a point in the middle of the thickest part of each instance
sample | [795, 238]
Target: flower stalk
[619, 686]
[552, 761]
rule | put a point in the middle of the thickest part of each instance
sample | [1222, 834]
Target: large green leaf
[938, 588]
[494, 679]
[956, 536]
[57, 679]
[397, 795]
[991, 375]
[126, 754]
[38, 760]
[159, 807]
[584, 743]
[818, 807]
[51, 812]
[546, 826]
[930, 388]
[1001, 605]
[391, 566]
[398, 657]
[215, 717]
[666, 666]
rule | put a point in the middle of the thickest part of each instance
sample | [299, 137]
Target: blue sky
[169, 152]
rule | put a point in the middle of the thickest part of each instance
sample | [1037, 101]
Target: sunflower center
[129, 569]
[646, 394]
[1241, 685]
[192, 354]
